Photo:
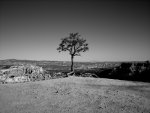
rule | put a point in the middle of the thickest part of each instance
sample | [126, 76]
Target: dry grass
[75, 95]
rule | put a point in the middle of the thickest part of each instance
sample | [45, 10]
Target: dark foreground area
[137, 71]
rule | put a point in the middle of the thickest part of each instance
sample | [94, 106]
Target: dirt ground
[75, 95]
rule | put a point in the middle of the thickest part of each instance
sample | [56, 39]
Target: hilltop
[75, 95]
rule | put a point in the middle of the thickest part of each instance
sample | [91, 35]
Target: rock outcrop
[21, 73]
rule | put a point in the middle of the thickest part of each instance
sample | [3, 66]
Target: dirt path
[75, 95]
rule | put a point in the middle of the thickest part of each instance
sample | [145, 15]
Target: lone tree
[74, 44]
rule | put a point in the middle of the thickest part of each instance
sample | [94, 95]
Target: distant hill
[44, 62]
[15, 61]
[60, 64]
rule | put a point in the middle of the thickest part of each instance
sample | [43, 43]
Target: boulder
[22, 73]
[2, 78]
[21, 79]
[9, 80]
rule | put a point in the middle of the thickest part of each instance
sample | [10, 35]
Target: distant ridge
[13, 60]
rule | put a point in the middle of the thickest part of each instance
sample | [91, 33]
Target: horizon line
[79, 61]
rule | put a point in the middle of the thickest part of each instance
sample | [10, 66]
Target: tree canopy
[74, 44]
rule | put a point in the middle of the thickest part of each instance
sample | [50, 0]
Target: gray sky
[115, 31]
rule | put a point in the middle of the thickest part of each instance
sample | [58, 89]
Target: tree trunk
[72, 69]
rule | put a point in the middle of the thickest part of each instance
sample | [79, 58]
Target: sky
[115, 30]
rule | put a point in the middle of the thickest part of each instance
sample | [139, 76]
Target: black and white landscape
[74, 56]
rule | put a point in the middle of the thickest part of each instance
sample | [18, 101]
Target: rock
[2, 78]
[9, 80]
[22, 73]
[59, 75]
[47, 76]
[89, 75]
[21, 79]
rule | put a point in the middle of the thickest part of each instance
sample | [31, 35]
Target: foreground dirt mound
[75, 95]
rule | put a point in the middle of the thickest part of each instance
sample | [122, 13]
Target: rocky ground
[75, 95]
